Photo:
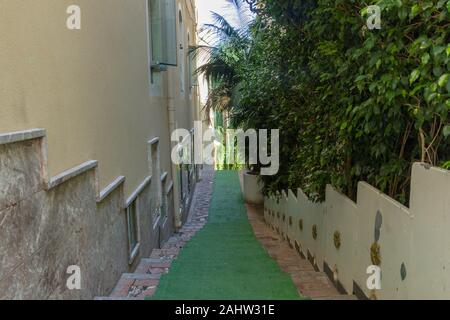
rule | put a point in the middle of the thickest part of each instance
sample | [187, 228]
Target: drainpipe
[171, 109]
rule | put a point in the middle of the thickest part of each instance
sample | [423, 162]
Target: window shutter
[163, 32]
[193, 79]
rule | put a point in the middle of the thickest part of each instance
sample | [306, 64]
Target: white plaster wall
[268, 214]
[275, 210]
[341, 215]
[394, 241]
[312, 214]
[284, 207]
[414, 242]
[430, 250]
[277, 206]
[291, 217]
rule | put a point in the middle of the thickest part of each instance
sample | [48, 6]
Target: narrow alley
[226, 251]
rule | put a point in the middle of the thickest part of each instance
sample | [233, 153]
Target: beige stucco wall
[88, 88]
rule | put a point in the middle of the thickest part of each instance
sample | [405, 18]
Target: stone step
[190, 231]
[174, 239]
[157, 263]
[338, 297]
[122, 287]
[168, 245]
[193, 226]
[141, 276]
[113, 298]
[169, 253]
[142, 291]
[150, 266]
[160, 259]
[144, 281]
[129, 281]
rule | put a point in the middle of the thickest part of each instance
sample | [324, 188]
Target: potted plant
[252, 185]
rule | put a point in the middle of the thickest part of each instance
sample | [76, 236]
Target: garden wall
[343, 238]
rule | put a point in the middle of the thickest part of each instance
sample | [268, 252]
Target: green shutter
[193, 79]
[163, 32]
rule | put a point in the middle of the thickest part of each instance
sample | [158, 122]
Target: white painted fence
[412, 245]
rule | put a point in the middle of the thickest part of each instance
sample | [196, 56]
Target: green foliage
[446, 165]
[222, 162]
[351, 103]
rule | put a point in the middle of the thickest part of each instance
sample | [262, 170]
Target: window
[162, 41]
[164, 196]
[192, 64]
[183, 185]
[191, 165]
[133, 229]
[182, 54]
[163, 36]
[170, 203]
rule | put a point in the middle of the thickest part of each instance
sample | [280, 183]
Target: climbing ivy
[351, 103]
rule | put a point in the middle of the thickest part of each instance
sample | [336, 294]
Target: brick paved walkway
[225, 261]
[308, 281]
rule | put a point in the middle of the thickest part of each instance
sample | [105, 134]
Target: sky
[205, 7]
[221, 7]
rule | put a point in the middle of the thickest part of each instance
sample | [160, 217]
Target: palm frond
[217, 71]
[203, 51]
[243, 15]
[227, 43]
[218, 100]
[221, 27]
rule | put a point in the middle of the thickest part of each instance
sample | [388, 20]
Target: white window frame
[165, 200]
[133, 251]
[156, 184]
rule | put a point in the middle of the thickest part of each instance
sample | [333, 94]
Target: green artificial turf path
[224, 260]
